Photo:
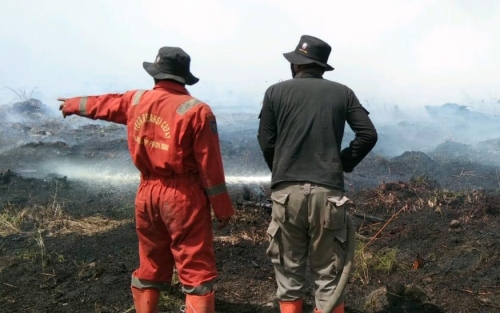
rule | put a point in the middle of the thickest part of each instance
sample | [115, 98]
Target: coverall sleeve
[365, 133]
[267, 131]
[208, 157]
[109, 107]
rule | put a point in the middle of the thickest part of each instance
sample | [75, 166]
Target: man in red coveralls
[173, 141]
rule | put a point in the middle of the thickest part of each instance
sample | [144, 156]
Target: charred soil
[67, 247]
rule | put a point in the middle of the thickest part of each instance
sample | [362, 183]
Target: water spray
[108, 175]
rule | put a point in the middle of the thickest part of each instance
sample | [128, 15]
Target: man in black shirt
[300, 133]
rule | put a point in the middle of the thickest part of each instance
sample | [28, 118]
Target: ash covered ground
[68, 243]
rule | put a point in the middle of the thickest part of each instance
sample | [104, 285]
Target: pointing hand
[61, 107]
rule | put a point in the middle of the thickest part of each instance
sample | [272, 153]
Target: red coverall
[173, 141]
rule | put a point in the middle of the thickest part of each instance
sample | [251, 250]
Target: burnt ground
[68, 243]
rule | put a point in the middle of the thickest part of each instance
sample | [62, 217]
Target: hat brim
[298, 59]
[152, 70]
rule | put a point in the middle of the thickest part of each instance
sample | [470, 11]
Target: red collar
[171, 86]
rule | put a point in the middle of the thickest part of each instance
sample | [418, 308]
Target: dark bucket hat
[310, 50]
[171, 63]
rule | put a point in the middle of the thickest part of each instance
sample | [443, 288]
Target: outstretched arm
[109, 107]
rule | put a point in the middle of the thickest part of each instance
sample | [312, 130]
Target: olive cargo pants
[308, 220]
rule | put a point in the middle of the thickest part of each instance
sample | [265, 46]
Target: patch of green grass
[11, 220]
[29, 254]
[366, 262]
[59, 258]
[174, 298]
[171, 301]
[385, 260]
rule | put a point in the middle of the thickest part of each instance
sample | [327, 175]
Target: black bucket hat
[310, 50]
[171, 63]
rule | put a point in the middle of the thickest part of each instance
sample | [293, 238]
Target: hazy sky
[409, 53]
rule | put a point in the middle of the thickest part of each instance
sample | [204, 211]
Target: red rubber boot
[146, 300]
[291, 306]
[200, 304]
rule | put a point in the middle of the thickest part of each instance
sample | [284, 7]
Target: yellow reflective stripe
[137, 96]
[183, 108]
[216, 190]
[83, 106]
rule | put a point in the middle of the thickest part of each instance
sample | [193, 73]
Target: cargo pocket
[335, 218]
[280, 201]
[275, 246]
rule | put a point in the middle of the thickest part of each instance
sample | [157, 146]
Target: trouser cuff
[203, 289]
[144, 284]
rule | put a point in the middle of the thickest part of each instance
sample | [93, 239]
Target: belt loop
[307, 189]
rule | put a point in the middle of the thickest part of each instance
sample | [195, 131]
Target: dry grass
[22, 93]
[39, 222]
[361, 261]
[86, 226]
[51, 220]
[11, 220]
